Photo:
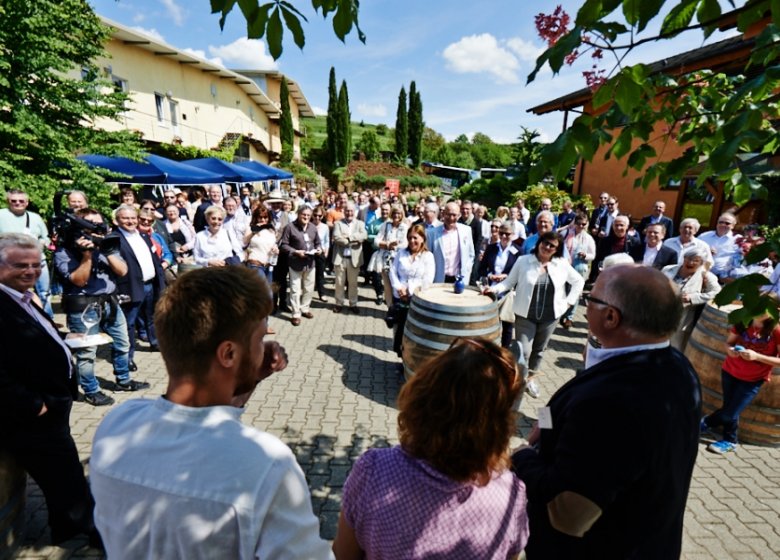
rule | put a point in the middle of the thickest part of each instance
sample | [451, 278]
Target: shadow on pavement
[367, 375]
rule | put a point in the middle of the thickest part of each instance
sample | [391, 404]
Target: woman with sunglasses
[390, 238]
[539, 280]
[495, 266]
[581, 250]
[445, 491]
[260, 242]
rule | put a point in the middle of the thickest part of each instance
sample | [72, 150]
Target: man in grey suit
[348, 236]
[452, 246]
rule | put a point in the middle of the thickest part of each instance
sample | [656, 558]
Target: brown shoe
[307, 314]
[337, 309]
[295, 321]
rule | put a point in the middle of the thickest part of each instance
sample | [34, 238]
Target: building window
[173, 108]
[159, 103]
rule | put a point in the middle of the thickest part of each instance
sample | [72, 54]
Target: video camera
[69, 228]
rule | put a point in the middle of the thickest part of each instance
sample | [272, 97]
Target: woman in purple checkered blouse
[446, 491]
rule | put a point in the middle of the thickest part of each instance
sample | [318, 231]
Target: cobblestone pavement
[336, 399]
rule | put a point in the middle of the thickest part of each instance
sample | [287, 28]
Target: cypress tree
[331, 124]
[286, 131]
[416, 125]
[401, 127]
[344, 127]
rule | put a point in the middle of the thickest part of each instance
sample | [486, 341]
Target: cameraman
[89, 275]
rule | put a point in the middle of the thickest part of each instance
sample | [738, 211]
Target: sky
[469, 59]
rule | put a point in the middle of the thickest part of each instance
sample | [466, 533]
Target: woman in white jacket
[697, 286]
[540, 279]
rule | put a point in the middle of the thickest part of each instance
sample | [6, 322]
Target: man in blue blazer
[452, 246]
[653, 252]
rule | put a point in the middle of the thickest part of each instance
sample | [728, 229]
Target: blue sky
[469, 58]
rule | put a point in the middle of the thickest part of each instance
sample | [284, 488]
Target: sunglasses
[505, 233]
[489, 349]
[548, 245]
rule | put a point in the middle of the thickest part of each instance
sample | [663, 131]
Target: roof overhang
[304, 109]
[136, 38]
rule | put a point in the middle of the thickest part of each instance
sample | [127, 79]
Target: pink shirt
[450, 246]
[401, 507]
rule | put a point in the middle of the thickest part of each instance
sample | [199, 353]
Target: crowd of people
[197, 276]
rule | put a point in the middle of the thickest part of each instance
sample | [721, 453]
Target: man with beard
[181, 476]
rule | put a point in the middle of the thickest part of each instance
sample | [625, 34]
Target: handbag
[505, 308]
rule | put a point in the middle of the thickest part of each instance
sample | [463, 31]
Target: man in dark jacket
[653, 252]
[610, 462]
[301, 243]
[37, 387]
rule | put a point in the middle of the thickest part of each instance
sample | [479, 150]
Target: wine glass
[91, 316]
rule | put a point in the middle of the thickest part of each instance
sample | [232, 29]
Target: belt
[256, 263]
[77, 303]
[149, 282]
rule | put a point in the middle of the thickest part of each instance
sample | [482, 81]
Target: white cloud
[524, 50]
[152, 33]
[175, 11]
[319, 111]
[202, 54]
[244, 54]
[376, 110]
[482, 53]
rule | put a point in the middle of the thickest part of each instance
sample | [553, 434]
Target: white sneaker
[532, 388]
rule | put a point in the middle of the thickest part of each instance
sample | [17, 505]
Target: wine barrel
[437, 316]
[13, 492]
[759, 424]
[184, 268]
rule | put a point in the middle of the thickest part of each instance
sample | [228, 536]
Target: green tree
[286, 131]
[719, 117]
[381, 129]
[416, 125]
[401, 127]
[480, 139]
[527, 153]
[332, 121]
[461, 139]
[432, 141]
[46, 115]
[269, 20]
[369, 145]
[344, 126]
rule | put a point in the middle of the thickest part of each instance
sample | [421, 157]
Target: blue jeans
[132, 311]
[85, 357]
[262, 271]
[737, 395]
[42, 289]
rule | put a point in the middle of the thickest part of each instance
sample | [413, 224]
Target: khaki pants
[345, 272]
[301, 290]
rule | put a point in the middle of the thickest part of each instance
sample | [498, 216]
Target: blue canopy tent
[274, 172]
[155, 170]
[231, 172]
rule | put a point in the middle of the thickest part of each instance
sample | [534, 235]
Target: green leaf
[708, 12]
[604, 94]
[647, 10]
[274, 34]
[679, 17]
[256, 27]
[623, 143]
[628, 93]
[556, 54]
[293, 9]
[224, 6]
[609, 29]
[294, 25]
[342, 20]
[595, 10]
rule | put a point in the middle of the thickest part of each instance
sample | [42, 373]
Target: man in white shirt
[722, 244]
[689, 227]
[452, 246]
[181, 476]
[140, 288]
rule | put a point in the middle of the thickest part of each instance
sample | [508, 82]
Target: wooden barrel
[13, 492]
[184, 268]
[437, 316]
[759, 424]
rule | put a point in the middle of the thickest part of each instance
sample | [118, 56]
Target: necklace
[539, 307]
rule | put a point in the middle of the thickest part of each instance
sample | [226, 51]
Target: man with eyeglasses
[215, 199]
[653, 252]
[145, 279]
[656, 217]
[610, 461]
[37, 388]
[722, 244]
[604, 224]
[545, 205]
[89, 275]
[18, 219]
